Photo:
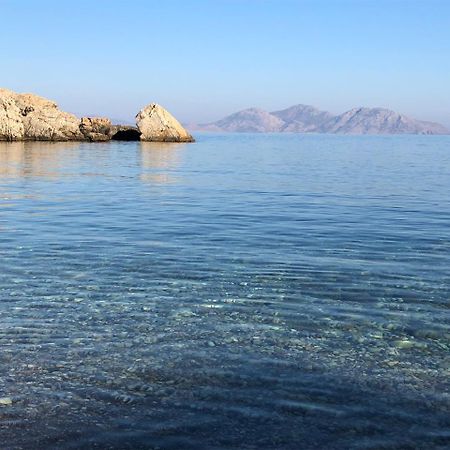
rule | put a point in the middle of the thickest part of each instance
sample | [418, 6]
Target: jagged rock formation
[96, 129]
[307, 119]
[158, 125]
[30, 117]
[100, 129]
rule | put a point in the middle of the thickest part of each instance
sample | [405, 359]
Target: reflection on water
[161, 155]
[285, 292]
[159, 160]
[35, 159]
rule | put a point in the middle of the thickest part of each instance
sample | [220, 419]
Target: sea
[246, 291]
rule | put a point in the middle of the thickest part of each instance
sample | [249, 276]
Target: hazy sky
[203, 59]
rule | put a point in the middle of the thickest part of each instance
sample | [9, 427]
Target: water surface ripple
[242, 292]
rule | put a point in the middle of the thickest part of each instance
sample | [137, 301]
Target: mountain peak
[250, 120]
[378, 120]
[303, 118]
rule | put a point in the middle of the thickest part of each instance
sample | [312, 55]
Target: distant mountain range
[307, 119]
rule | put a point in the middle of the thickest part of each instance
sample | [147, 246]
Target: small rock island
[29, 117]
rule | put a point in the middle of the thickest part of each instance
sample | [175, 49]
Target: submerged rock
[157, 124]
[6, 401]
[30, 117]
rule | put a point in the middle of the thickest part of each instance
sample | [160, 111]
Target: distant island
[308, 119]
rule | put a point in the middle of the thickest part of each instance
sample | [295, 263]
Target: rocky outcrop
[11, 124]
[158, 125]
[96, 129]
[100, 129]
[30, 117]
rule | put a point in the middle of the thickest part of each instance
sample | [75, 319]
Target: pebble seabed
[194, 342]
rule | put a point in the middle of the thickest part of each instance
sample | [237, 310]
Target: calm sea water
[242, 292]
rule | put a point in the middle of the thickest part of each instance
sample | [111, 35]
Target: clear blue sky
[203, 59]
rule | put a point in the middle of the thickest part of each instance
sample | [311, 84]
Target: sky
[204, 59]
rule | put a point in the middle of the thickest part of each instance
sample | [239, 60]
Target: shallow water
[245, 291]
